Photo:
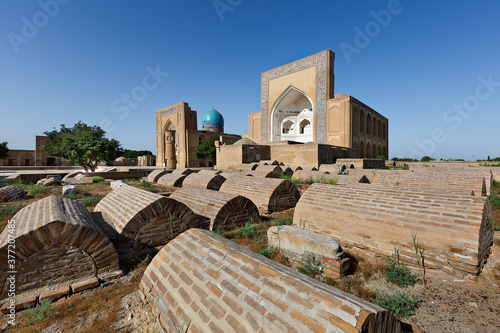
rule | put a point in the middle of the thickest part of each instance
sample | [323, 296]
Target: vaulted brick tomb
[12, 193]
[143, 219]
[435, 179]
[203, 281]
[455, 230]
[204, 180]
[155, 175]
[269, 194]
[172, 179]
[225, 210]
[58, 249]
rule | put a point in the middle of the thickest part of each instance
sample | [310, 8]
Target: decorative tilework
[321, 61]
[163, 113]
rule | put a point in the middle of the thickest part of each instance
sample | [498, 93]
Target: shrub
[281, 220]
[9, 211]
[42, 311]
[97, 179]
[399, 303]
[399, 274]
[71, 196]
[309, 267]
[249, 231]
[267, 251]
[295, 181]
[35, 190]
[220, 231]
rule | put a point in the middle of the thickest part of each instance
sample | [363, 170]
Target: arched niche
[293, 106]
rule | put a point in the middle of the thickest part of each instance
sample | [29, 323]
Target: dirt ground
[446, 303]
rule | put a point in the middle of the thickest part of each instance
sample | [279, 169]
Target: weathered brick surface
[12, 193]
[183, 171]
[144, 219]
[262, 174]
[297, 168]
[454, 229]
[205, 181]
[56, 242]
[172, 179]
[247, 167]
[275, 169]
[155, 175]
[341, 179]
[208, 283]
[210, 172]
[270, 195]
[224, 210]
[436, 178]
[269, 162]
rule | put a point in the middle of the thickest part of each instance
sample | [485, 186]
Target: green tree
[426, 159]
[135, 153]
[207, 148]
[4, 150]
[82, 144]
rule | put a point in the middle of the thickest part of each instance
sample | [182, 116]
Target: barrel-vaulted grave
[172, 179]
[319, 176]
[275, 169]
[203, 282]
[12, 193]
[226, 211]
[143, 219]
[155, 175]
[469, 175]
[246, 166]
[53, 243]
[454, 229]
[435, 179]
[183, 171]
[209, 172]
[262, 174]
[206, 181]
[269, 194]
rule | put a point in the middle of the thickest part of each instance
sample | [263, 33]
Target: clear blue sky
[81, 59]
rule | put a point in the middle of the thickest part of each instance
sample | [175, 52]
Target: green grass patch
[281, 220]
[399, 303]
[42, 311]
[35, 190]
[147, 186]
[10, 211]
[267, 251]
[399, 274]
[90, 201]
[248, 230]
[97, 179]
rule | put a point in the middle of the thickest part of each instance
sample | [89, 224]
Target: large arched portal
[292, 117]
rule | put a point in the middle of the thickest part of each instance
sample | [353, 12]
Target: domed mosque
[213, 121]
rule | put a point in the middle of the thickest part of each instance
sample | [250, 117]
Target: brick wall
[224, 210]
[455, 230]
[144, 219]
[56, 242]
[205, 282]
[270, 195]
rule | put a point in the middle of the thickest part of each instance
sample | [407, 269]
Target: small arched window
[305, 127]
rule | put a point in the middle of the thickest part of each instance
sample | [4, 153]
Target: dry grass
[75, 313]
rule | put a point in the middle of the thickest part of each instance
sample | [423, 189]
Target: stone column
[170, 159]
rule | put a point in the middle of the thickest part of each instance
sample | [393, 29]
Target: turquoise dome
[214, 117]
